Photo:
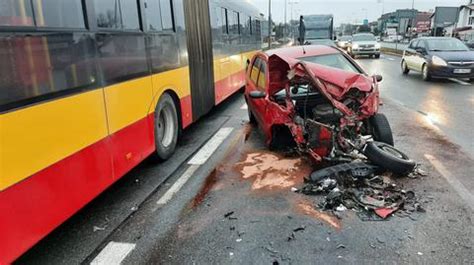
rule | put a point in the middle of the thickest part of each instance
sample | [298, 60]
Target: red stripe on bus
[34, 207]
[229, 85]
[186, 111]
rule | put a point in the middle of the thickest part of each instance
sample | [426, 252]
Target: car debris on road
[362, 187]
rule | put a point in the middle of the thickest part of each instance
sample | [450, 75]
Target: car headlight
[438, 61]
[377, 46]
[355, 46]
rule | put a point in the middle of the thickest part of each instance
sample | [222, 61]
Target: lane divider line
[198, 159]
[113, 254]
[178, 185]
[459, 81]
[210, 147]
[456, 184]
[245, 107]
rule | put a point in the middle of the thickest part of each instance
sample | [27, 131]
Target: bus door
[199, 42]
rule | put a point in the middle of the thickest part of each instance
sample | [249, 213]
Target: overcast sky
[347, 11]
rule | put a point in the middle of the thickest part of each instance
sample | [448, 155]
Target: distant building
[399, 22]
[465, 25]
[443, 20]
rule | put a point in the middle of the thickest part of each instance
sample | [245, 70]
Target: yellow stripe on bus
[33, 138]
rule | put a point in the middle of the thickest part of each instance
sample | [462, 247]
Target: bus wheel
[166, 127]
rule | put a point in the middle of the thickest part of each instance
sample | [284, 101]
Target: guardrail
[393, 47]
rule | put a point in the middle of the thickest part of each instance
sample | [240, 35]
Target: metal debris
[358, 186]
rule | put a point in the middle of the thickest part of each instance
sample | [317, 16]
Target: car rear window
[332, 60]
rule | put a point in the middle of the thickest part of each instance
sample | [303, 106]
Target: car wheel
[426, 73]
[381, 130]
[389, 158]
[377, 56]
[405, 69]
[252, 119]
[166, 127]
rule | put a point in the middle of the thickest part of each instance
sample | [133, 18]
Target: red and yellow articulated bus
[90, 88]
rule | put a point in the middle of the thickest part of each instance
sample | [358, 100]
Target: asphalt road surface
[224, 198]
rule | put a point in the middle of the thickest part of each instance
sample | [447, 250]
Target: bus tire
[166, 127]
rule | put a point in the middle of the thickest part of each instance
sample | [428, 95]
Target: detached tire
[166, 127]
[381, 130]
[389, 158]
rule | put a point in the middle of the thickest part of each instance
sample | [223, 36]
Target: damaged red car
[315, 99]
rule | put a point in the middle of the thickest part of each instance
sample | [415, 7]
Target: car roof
[303, 51]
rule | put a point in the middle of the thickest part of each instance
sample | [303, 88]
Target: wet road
[225, 199]
[448, 104]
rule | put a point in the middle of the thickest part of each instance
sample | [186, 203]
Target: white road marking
[198, 159]
[210, 147]
[459, 81]
[177, 185]
[113, 254]
[456, 184]
[390, 59]
[245, 107]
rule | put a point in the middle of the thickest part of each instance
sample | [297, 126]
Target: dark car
[439, 57]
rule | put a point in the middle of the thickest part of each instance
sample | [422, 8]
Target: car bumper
[450, 71]
[365, 51]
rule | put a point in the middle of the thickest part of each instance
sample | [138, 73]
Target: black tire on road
[381, 130]
[405, 69]
[425, 72]
[377, 56]
[252, 119]
[389, 158]
[166, 127]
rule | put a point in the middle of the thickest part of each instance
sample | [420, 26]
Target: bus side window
[59, 14]
[255, 70]
[153, 15]
[16, 13]
[113, 14]
[167, 14]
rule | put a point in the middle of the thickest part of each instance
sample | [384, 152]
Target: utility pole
[269, 24]
[413, 4]
[285, 33]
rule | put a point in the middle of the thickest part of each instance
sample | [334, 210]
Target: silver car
[364, 44]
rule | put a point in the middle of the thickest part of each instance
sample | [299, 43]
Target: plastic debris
[358, 186]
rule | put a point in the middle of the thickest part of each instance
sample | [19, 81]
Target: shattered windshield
[332, 60]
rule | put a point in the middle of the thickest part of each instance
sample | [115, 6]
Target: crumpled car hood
[338, 82]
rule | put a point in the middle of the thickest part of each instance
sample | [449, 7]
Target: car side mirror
[378, 78]
[257, 94]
